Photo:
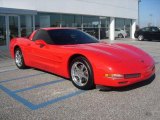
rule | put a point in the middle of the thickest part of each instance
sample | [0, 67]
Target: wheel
[81, 73]
[140, 37]
[120, 36]
[19, 60]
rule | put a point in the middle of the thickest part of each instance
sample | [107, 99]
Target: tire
[19, 60]
[120, 36]
[140, 37]
[81, 73]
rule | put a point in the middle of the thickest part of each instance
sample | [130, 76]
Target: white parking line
[6, 70]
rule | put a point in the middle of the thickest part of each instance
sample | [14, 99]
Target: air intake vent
[128, 76]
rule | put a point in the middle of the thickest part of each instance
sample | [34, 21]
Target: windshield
[70, 36]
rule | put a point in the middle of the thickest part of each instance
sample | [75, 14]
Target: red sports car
[74, 54]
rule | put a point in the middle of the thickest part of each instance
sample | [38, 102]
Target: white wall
[21, 4]
[111, 8]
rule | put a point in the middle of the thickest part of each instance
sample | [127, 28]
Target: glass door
[3, 40]
[9, 28]
[14, 27]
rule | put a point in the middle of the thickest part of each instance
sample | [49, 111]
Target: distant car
[86, 61]
[119, 33]
[148, 33]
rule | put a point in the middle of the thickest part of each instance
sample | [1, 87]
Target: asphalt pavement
[31, 94]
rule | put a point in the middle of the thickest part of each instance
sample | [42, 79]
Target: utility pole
[139, 12]
[151, 20]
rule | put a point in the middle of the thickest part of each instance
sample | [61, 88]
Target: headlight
[123, 76]
[114, 76]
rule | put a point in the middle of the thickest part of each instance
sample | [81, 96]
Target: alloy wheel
[79, 74]
[18, 58]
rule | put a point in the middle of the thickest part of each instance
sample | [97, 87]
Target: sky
[149, 13]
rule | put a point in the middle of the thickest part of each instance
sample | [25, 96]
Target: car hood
[122, 55]
[119, 52]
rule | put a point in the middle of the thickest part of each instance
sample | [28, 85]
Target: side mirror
[40, 42]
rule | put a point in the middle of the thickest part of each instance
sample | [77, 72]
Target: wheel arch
[121, 34]
[73, 57]
[15, 47]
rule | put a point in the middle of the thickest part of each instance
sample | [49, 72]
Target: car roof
[150, 27]
[56, 28]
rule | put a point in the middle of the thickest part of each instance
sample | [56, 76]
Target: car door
[43, 55]
[155, 33]
[146, 33]
[158, 35]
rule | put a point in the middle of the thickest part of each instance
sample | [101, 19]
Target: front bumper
[146, 74]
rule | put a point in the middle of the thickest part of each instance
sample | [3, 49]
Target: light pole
[151, 19]
[139, 12]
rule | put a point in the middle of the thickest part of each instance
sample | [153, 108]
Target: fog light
[114, 76]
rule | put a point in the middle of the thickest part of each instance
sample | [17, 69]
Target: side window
[145, 29]
[154, 29]
[35, 37]
[142, 29]
[117, 29]
[42, 35]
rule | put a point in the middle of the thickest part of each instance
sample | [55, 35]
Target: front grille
[136, 75]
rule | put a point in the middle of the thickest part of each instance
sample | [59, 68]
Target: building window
[2, 31]
[124, 25]
[71, 21]
[47, 20]
[91, 25]
[26, 24]
[90, 21]
[120, 23]
[105, 22]
[128, 24]
[55, 20]
[42, 20]
[94, 25]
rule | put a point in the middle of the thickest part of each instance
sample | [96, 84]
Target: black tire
[19, 60]
[120, 36]
[87, 68]
[149, 39]
[140, 37]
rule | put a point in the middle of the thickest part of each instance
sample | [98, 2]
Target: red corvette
[74, 54]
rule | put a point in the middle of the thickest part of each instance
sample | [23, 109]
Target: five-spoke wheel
[19, 59]
[81, 73]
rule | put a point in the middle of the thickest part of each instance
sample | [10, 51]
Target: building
[97, 17]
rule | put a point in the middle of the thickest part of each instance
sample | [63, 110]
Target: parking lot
[31, 94]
